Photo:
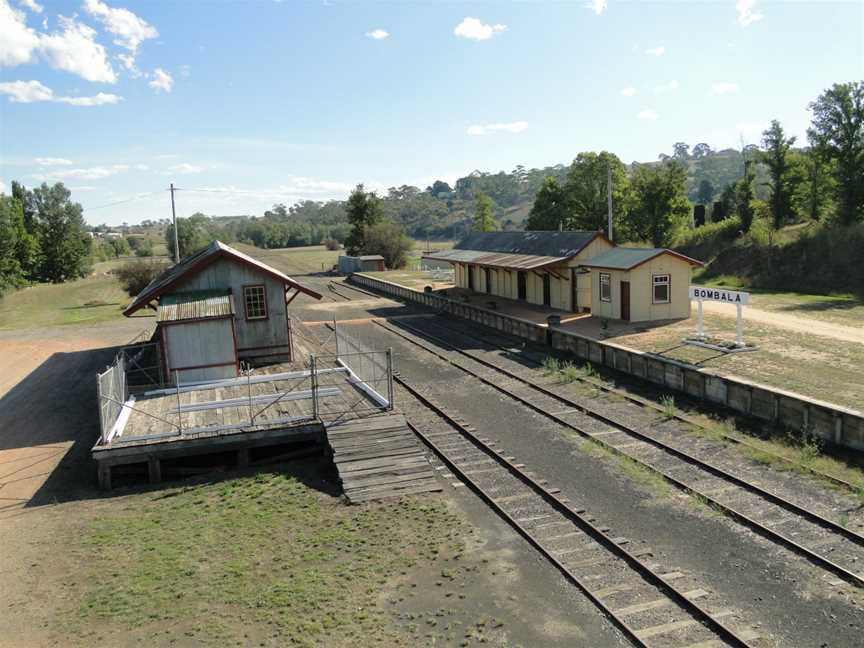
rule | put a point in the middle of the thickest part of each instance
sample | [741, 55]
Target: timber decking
[379, 457]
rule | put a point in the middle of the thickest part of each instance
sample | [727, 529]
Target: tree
[701, 150]
[193, 234]
[438, 187]
[681, 151]
[363, 211]
[744, 197]
[63, 240]
[782, 179]
[586, 189]
[11, 228]
[837, 133]
[550, 209]
[27, 249]
[814, 192]
[483, 220]
[390, 241]
[705, 193]
[727, 203]
[135, 275]
[659, 203]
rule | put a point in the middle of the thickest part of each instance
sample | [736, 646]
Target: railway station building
[579, 272]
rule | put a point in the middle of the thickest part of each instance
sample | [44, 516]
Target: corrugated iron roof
[627, 258]
[196, 304]
[201, 259]
[496, 260]
[535, 243]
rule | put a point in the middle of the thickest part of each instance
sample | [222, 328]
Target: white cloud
[511, 127]
[724, 87]
[75, 50]
[17, 41]
[648, 115]
[597, 6]
[161, 81]
[377, 34]
[2, 187]
[186, 168]
[32, 5]
[672, 85]
[89, 173]
[656, 51]
[629, 91]
[474, 29]
[52, 161]
[130, 30]
[34, 91]
[746, 15]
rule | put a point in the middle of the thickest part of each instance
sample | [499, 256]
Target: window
[255, 300]
[605, 287]
[660, 288]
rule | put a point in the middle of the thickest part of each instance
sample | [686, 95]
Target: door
[522, 285]
[547, 289]
[488, 274]
[470, 277]
[625, 301]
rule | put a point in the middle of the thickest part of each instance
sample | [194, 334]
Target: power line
[121, 202]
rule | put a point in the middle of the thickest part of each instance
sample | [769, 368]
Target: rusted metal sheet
[197, 304]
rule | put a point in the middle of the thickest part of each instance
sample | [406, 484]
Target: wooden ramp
[379, 457]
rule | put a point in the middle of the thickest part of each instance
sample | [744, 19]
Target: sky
[246, 104]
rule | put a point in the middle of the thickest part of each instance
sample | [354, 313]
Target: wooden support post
[154, 470]
[104, 472]
[243, 458]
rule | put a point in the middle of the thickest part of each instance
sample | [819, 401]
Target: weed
[843, 520]
[811, 447]
[668, 403]
[551, 366]
[570, 373]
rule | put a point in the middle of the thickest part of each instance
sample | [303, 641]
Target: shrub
[332, 244]
[135, 275]
[390, 241]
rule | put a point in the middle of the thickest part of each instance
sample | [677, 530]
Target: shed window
[255, 299]
[605, 287]
[660, 288]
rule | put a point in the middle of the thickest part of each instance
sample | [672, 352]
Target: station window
[255, 300]
[605, 287]
[660, 288]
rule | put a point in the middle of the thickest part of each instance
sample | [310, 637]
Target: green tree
[193, 234]
[11, 229]
[63, 239]
[390, 241]
[550, 208]
[744, 197]
[586, 188]
[363, 210]
[483, 220]
[27, 249]
[705, 193]
[837, 133]
[659, 203]
[814, 192]
[781, 174]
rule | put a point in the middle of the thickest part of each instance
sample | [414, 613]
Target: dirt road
[792, 322]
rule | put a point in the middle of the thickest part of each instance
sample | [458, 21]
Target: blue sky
[263, 102]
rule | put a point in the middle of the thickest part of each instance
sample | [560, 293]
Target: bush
[332, 244]
[390, 241]
[145, 249]
[135, 275]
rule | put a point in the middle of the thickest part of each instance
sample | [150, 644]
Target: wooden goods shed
[641, 284]
[218, 307]
[542, 268]
[364, 263]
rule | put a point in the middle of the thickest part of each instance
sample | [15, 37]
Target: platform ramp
[379, 457]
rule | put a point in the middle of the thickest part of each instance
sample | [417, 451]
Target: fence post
[101, 409]
[314, 376]
[249, 393]
[389, 378]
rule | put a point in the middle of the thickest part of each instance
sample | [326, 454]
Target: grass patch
[667, 402]
[645, 478]
[262, 557]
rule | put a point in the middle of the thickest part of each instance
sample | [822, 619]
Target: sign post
[740, 299]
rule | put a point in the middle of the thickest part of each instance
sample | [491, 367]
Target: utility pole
[174, 216]
[609, 195]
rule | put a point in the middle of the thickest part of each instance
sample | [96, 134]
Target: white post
[739, 327]
[700, 326]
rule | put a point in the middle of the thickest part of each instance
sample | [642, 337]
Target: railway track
[823, 542]
[536, 358]
[652, 606]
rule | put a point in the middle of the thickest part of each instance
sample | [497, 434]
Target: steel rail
[569, 512]
[644, 402]
[823, 562]
[331, 285]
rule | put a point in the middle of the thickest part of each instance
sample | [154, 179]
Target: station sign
[736, 297]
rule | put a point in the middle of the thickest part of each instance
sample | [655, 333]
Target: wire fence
[111, 389]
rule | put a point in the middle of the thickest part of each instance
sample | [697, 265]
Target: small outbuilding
[640, 284]
[365, 263]
[537, 267]
[216, 308]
